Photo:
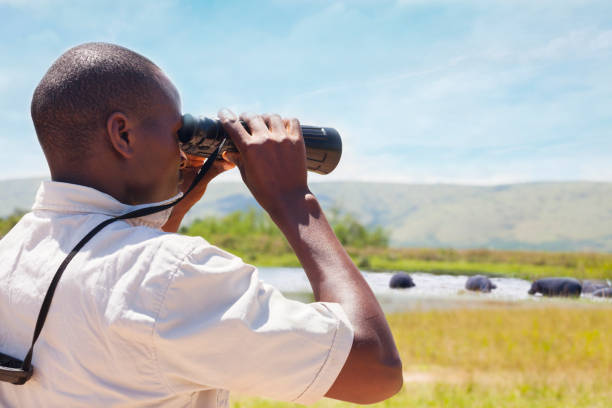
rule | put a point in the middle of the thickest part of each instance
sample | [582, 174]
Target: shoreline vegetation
[369, 248]
[255, 238]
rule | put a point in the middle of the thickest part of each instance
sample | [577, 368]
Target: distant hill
[565, 216]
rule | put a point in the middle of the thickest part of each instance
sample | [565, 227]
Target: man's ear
[120, 134]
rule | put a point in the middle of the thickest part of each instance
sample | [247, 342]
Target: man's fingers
[255, 123]
[189, 174]
[232, 157]
[191, 160]
[292, 125]
[219, 166]
[234, 128]
[274, 123]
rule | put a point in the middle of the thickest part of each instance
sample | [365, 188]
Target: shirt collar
[74, 198]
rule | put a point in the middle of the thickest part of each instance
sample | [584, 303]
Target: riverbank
[519, 264]
[522, 357]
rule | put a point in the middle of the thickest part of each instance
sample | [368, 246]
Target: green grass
[523, 264]
[518, 270]
[519, 264]
[553, 356]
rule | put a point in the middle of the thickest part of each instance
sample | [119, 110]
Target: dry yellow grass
[534, 340]
[520, 357]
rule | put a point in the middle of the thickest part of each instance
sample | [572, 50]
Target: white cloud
[575, 44]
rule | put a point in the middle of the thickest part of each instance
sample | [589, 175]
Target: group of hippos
[567, 287]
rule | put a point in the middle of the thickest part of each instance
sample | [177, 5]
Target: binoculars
[201, 136]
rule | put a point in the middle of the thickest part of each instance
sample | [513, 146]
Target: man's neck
[105, 181]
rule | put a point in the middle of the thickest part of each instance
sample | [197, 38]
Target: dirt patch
[435, 375]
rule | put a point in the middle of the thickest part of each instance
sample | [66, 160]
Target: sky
[478, 92]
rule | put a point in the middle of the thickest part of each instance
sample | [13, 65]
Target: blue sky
[472, 92]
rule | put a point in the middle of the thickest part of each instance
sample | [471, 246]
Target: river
[430, 291]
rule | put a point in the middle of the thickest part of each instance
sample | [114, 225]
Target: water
[431, 291]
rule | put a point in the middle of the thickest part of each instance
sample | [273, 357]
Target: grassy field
[519, 357]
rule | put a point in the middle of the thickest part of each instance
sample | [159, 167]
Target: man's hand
[271, 158]
[189, 172]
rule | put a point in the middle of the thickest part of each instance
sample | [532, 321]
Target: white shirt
[144, 318]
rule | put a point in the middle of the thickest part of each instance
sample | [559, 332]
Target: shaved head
[87, 83]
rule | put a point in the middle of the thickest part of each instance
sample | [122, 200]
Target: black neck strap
[46, 304]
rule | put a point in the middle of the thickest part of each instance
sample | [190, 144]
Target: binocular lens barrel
[200, 137]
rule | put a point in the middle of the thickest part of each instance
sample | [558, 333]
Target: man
[143, 317]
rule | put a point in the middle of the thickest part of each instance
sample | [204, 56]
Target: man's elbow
[387, 381]
[396, 378]
[369, 375]
[377, 383]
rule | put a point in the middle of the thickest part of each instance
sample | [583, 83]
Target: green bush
[252, 233]
[9, 222]
[353, 234]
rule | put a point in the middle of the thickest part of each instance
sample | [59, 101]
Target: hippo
[590, 286]
[603, 292]
[401, 280]
[556, 287]
[479, 283]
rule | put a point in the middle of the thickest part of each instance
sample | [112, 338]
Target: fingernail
[227, 115]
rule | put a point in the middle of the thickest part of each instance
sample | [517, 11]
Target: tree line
[253, 235]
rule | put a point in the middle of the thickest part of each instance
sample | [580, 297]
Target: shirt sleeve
[221, 327]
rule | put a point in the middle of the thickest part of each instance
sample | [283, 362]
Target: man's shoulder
[183, 248]
[187, 242]
[175, 243]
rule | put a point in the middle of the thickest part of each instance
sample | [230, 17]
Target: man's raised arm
[272, 162]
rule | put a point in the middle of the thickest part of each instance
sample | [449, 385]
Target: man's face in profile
[159, 156]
